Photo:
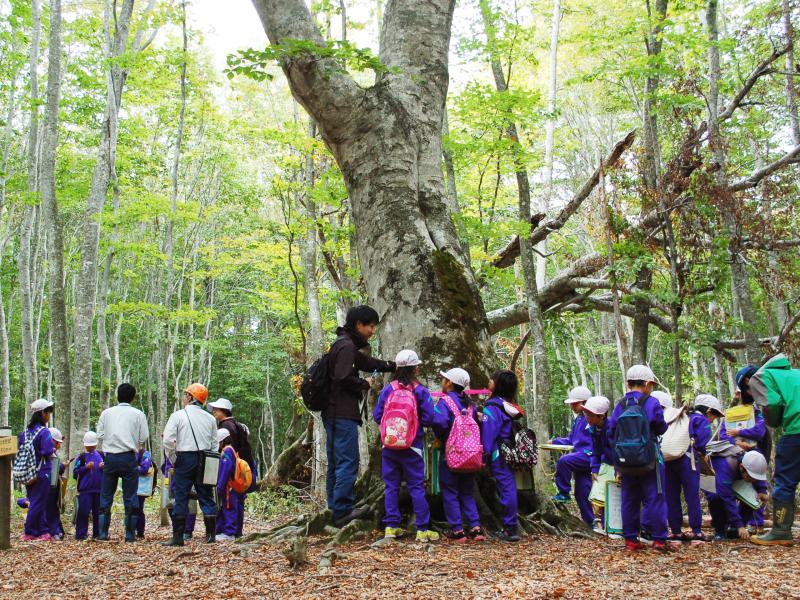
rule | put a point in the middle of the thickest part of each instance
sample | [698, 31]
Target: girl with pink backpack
[404, 407]
[461, 438]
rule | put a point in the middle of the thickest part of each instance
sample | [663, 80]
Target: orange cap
[198, 391]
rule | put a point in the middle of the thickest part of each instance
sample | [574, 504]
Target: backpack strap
[451, 405]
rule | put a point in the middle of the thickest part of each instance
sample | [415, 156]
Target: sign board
[8, 446]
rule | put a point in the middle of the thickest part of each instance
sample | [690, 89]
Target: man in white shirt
[121, 430]
[188, 433]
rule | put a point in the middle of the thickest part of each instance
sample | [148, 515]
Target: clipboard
[556, 447]
[744, 491]
[613, 509]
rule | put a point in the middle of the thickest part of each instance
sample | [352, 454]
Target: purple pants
[576, 464]
[680, 476]
[458, 496]
[36, 523]
[140, 518]
[228, 515]
[54, 512]
[398, 466]
[506, 490]
[88, 502]
[639, 489]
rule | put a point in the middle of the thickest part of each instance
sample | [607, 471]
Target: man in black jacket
[342, 416]
[222, 410]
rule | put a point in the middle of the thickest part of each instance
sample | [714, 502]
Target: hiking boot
[664, 548]
[476, 534]
[356, 513]
[560, 498]
[781, 532]
[509, 535]
[392, 533]
[178, 527]
[211, 529]
[633, 546]
[457, 536]
[427, 536]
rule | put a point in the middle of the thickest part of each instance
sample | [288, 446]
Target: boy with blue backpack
[634, 427]
[403, 408]
[88, 472]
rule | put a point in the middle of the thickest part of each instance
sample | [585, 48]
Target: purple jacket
[496, 427]
[580, 437]
[145, 460]
[89, 480]
[652, 408]
[602, 450]
[727, 472]
[227, 468]
[43, 446]
[700, 431]
[755, 433]
[428, 413]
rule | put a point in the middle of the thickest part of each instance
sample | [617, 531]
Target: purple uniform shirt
[602, 451]
[700, 431]
[227, 468]
[145, 462]
[89, 480]
[496, 427]
[428, 413]
[755, 433]
[579, 437]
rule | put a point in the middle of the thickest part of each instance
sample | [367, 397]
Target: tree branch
[755, 178]
[761, 70]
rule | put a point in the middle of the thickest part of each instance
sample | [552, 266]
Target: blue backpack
[635, 451]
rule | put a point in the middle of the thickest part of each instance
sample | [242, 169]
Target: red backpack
[400, 421]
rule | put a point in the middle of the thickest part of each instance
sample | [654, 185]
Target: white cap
[407, 358]
[641, 373]
[755, 464]
[709, 401]
[222, 434]
[57, 435]
[90, 438]
[222, 403]
[578, 394]
[457, 376]
[664, 398]
[597, 405]
[40, 404]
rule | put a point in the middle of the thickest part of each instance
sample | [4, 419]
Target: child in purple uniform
[38, 490]
[684, 473]
[145, 461]
[227, 517]
[88, 471]
[407, 465]
[457, 489]
[728, 516]
[57, 467]
[496, 428]
[646, 489]
[576, 464]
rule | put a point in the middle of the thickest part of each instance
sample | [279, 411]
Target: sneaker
[457, 536]
[646, 538]
[476, 534]
[27, 538]
[393, 532]
[57, 537]
[698, 539]
[597, 526]
[509, 535]
[675, 540]
[560, 498]
[664, 548]
[719, 536]
[222, 537]
[187, 535]
[687, 536]
[633, 546]
[427, 536]
[45, 537]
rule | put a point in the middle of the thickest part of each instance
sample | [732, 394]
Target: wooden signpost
[8, 448]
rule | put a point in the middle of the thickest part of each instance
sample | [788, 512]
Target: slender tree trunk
[55, 236]
[791, 70]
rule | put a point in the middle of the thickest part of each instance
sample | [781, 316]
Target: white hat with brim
[597, 405]
[641, 373]
[664, 398]
[40, 404]
[710, 402]
[578, 394]
[755, 464]
[56, 434]
[222, 403]
[222, 434]
[407, 358]
[458, 376]
[90, 438]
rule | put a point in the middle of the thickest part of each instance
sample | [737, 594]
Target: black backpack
[521, 452]
[635, 449]
[316, 385]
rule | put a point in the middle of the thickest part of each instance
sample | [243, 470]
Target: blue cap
[745, 373]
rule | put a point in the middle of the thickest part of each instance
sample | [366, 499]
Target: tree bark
[791, 71]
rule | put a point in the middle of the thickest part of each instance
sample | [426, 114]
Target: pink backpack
[463, 450]
[400, 421]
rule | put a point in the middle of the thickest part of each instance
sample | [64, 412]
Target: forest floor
[540, 567]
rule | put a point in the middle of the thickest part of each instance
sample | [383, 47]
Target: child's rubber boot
[178, 527]
[781, 532]
[130, 526]
[427, 536]
[105, 522]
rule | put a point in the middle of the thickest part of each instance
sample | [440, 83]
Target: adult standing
[777, 386]
[190, 432]
[222, 410]
[122, 430]
[38, 489]
[343, 414]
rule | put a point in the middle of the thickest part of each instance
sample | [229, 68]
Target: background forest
[163, 221]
